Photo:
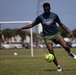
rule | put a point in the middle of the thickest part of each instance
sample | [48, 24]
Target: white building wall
[39, 28]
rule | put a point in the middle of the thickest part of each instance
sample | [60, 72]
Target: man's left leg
[65, 46]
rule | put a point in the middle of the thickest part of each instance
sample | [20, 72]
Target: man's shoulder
[41, 15]
[53, 13]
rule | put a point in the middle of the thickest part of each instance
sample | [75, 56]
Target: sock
[71, 54]
[58, 66]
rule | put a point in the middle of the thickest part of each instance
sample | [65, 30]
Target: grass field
[24, 64]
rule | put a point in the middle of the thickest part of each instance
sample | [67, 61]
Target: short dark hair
[46, 4]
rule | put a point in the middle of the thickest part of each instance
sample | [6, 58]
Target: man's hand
[18, 30]
[72, 36]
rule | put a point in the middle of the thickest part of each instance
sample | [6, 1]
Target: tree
[74, 32]
[12, 32]
[22, 35]
[62, 32]
[9, 33]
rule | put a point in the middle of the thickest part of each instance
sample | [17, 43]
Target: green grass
[24, 64]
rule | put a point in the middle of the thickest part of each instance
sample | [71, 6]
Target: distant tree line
[8, 33]
[12, 32]
[64, 33]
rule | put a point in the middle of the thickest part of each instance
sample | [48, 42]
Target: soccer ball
[49, 57]
[15, 53]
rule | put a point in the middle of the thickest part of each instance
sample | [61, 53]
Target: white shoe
[59, 69]
[72, 55]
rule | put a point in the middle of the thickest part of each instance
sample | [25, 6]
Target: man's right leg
[50, 48]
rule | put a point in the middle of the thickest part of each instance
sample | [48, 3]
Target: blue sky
[24, 10]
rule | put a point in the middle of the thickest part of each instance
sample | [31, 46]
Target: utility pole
[0, 36]
[39, 11]
[39, 27]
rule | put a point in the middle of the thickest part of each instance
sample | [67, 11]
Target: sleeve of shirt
[57, 19]
[37, 20]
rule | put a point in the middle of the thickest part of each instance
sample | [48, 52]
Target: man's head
[46, 7]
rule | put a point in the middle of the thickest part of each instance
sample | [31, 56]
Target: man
[50, 32]
[2, 37]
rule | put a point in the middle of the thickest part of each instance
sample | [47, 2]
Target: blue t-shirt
[48, 23]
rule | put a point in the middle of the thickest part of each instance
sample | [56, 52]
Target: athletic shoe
[59, 69]
[72, 55]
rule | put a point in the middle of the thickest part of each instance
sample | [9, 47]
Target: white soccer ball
[15, 53]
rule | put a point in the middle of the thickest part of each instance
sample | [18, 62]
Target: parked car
[17, 44]
[8, 46]
[69, 44]
[57, 46]
[12, 45]
[73, 44]
[42, 45]
[26, 45]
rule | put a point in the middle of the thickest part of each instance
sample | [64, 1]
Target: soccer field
[24, 64]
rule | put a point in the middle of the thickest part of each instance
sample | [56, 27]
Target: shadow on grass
[50, 70]
[68, 70]
[62, 69]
